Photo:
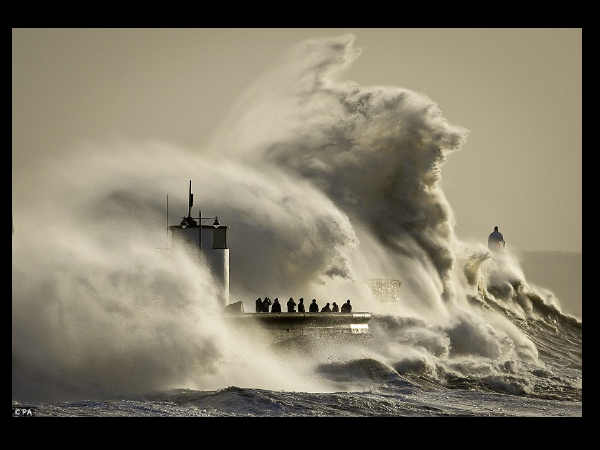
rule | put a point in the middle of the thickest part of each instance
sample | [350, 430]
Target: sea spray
[324, 184]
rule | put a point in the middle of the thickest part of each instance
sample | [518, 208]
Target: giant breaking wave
[324, 184]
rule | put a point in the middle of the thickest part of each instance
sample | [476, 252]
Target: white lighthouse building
[206, 239]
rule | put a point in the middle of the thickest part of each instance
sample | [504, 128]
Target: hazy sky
[518, 91]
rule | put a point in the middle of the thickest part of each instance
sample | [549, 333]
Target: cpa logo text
[23, 412]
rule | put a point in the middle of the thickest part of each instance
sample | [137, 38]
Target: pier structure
[204, 239]
[208, 242]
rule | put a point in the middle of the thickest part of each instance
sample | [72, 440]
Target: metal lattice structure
[385, 290]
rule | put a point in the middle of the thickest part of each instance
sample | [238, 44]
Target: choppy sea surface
[555, 390]
[385, 401]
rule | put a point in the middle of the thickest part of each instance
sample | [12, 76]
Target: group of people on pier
[264, 305]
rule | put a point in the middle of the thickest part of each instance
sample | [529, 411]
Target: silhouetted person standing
[313, 306]
[276, 308]
[301, 305]
[291, 304]
[326, 308]
[259, 305]
[347, 307]
[266, 304]
[335, 307]
[496, 240]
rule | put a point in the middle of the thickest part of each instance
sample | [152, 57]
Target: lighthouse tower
[206, 239]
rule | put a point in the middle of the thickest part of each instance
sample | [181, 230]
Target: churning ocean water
[322, 182]
[403, 389]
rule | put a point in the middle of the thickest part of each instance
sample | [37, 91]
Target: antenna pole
[199, 227]
[191, 200]
[167, 220]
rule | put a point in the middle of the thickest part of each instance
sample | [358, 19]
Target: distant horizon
[552, 251]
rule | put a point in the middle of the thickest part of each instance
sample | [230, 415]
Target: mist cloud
[324, 184]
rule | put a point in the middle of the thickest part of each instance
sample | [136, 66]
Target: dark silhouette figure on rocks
[313, 306]
[291, 305]
[347, 307]
[301, 305]
[266, 304]
[276, 308]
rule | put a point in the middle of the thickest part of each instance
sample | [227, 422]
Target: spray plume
[324, 184]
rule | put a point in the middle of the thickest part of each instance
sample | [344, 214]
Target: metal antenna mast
[167, 220]
[191, 200]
